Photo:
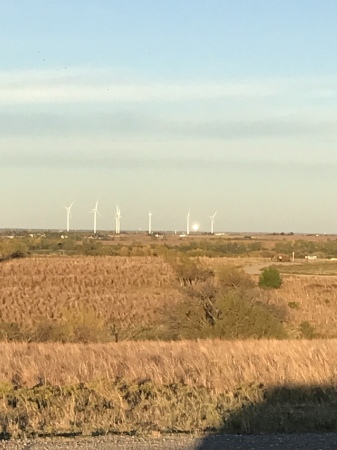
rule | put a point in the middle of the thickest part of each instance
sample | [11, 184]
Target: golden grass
[124, 290]
[314, 299]
[134, 291]
[151, 385]
[213, 364]
[241, 387]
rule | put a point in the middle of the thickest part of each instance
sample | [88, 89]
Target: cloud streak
[35, 132]
[132, 125]
[86, 86]
[116, 161]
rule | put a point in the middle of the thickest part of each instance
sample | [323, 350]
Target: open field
[133, 294]
[124, 291]
[318, 267]
[239, 386]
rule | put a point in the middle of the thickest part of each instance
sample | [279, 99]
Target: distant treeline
[77, 244]
[80, 245]
[326, 249]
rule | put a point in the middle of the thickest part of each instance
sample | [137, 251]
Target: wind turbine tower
[95, 211]
[68, 209]
[118, 220]
[188, 223]
[212, 222]
[150, 222]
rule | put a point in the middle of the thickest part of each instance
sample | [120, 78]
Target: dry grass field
[155, 386]
[309, 299]
[126, 290]
[134, 292]
[146, 387]
[213, 364]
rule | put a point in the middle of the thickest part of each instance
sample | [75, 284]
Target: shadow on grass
[286, 409]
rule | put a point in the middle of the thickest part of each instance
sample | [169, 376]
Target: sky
[169, 106]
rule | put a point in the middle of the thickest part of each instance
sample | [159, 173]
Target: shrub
[270, 278]
[188, 272]
[231, 277]
[294, 305]
[10, 331]
[308, 331]
[224, 306]
[77, 326]
[243, 319]
[51, 331]
[228, 316]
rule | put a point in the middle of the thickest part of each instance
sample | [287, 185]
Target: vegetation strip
[143, 407]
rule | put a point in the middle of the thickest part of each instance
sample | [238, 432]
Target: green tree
[270, 278]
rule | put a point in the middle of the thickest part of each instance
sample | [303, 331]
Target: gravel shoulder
[327, 441]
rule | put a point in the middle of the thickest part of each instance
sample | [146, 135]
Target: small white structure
[310, 257]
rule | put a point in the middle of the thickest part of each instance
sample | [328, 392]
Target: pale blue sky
[166, 106]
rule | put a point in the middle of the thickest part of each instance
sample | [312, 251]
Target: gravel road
[327, 441]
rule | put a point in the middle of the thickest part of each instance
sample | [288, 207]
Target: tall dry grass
[135, 292]
[309, 299]
[124, 290]
[173, 386]
[213, 364]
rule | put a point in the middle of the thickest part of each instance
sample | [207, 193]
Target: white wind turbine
[150, 222]
[212, 222]
[118, 220]
[188, 223]
[68, 209]
[95, 211]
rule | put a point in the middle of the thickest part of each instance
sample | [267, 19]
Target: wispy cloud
[38, 128]
[81, 86]
[117, 160]
[135, 125]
